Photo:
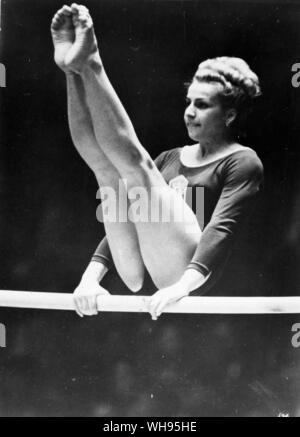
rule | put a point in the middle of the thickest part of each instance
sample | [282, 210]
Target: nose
[190, 111]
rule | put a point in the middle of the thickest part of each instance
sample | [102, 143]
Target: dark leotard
[230, 185]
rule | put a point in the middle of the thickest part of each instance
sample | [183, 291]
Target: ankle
[94, 64]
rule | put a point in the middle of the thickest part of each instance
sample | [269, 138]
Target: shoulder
[244, 163]
[168, 157]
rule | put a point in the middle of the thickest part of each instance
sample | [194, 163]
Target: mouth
[189, 124]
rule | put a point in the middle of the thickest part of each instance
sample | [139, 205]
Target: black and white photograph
[150, 210]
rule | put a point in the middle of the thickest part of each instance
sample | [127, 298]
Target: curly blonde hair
[240, 84]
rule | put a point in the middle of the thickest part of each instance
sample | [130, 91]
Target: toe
[56, 22]
[59, 17]
[66, 10]
[75, 8]
[83, 9]
[60, 12]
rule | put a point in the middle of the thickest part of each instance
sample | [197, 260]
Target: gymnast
[179, 256]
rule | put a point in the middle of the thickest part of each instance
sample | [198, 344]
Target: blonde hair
[240, 84]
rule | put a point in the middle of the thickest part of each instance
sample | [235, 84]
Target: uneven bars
[139, 304]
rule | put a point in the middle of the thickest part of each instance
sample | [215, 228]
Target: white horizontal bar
[139, 304]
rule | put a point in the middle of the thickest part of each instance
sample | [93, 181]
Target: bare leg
[166, 248]
[127, 257]
[173, 242]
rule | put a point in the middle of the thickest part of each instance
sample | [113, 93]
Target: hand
[164, 297]
[85, 297]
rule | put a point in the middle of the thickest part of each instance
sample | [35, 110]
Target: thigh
[168, 233]
[120, 232]
[164, 245]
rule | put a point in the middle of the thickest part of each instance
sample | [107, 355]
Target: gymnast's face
[205, 117]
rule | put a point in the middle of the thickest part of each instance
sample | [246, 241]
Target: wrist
[95, 271]
[191, 280]
[184, 285]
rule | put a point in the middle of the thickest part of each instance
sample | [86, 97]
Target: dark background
[122, 364]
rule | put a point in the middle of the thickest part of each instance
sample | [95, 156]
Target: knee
[161, 282]
[133, 276]
[135, 282]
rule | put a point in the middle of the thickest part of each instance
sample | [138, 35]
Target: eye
[187, 101]
[201, 105]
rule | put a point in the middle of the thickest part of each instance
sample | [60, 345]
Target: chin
[194, 138]
[193, 135]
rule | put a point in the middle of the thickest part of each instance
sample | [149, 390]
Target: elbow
[225, 226]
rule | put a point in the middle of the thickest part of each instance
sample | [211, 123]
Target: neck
[214, 145]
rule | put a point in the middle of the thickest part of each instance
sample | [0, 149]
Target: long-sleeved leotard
[230, 186]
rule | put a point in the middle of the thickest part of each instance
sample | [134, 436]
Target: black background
[56, 364]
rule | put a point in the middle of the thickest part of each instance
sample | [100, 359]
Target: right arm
[87, 291]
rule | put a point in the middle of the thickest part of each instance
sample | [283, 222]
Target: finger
[153, 301]
[151, 305]
[79, 313]
[81, 305]
[161, 308]
[87, 304]
[153, 310]
[95, 306]
[85, 308]
[77, 307]
[92, 305]
[153, 315]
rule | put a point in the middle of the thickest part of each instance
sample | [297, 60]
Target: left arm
[191, 280]
[242, 177]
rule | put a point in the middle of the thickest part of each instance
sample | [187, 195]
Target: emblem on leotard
[179, 184]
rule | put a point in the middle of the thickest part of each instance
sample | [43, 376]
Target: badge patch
[179, 184]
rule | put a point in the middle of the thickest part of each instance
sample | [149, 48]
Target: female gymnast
[179, 257]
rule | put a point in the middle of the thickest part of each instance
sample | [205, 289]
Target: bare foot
[63, 35]
[84, 51]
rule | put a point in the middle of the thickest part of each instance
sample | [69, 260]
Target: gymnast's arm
[241, 181]
[87, 291]
[242, 178]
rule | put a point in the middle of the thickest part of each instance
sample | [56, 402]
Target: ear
[230, 116]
